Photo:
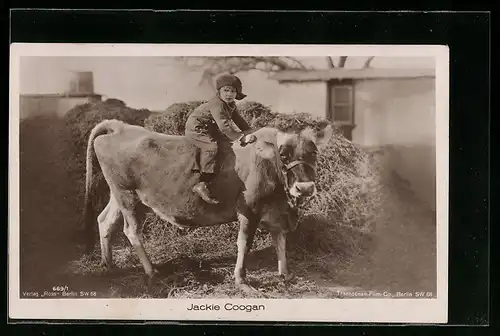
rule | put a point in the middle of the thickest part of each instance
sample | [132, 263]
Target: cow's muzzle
[303, 189]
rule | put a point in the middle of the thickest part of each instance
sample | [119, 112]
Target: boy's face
[227, 93]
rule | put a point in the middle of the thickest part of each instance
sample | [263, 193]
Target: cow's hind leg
[108, 220]
[133, 213]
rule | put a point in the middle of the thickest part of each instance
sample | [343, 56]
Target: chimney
[81, 82]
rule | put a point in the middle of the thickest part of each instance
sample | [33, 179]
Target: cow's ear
[308, 133]
[320, 138]
[323, 136]
[282, 138]
[265, 150]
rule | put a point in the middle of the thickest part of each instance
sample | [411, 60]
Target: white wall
[30, 107]
[402, 109]
[401, 113]
[48, 106]
[309, 97]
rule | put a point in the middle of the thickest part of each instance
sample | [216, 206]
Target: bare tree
[331, 63]
[235, 64]
[329, 60]
[368, 62]
[212, 66]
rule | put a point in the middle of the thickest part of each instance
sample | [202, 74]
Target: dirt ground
[400, 256]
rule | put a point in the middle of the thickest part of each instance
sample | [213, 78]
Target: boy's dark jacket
[211, 120]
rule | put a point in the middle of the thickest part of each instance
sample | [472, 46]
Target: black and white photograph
[228, 182]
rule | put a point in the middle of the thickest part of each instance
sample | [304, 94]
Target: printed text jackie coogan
[227, 306]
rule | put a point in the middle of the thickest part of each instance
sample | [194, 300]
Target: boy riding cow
[213, 120]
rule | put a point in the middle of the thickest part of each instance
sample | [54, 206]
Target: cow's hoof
[246, 288]
[150, 280]
[107, 268]
[150, 283]
[286, 277]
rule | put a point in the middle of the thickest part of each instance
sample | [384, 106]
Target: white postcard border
[299, 310]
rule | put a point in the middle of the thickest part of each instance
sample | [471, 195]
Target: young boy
[211, 120]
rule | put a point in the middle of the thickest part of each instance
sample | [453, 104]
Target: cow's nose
[305, 188]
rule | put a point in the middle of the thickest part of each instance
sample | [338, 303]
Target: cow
[260, 185]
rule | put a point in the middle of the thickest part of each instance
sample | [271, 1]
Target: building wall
[395, 113]
[48, 106]
[309, 97]
[400, 113]
[37, 106]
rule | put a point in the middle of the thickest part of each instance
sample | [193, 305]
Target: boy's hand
[247, 138]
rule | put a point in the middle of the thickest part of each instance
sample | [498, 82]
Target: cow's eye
[283, 151]
[309, 156]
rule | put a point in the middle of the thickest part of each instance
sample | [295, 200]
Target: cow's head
[298, 154]
[294, 155]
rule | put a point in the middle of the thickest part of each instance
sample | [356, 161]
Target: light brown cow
[258, 184]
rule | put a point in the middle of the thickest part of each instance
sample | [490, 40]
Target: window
[341, 103]
[340, 107]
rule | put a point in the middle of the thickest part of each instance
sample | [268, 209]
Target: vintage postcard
[180, 182]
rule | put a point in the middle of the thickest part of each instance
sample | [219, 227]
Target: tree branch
[368, 61]
[329, 60]
[342, 61]
[297, 62]
[213, 66]
[239, 64]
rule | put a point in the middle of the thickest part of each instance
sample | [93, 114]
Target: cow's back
[158, 168]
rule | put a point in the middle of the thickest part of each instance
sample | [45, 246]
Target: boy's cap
[231, 80]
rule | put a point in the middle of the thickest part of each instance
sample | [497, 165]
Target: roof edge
[298, 75]
[60, 95]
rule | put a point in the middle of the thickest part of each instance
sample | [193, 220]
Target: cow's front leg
[246, 234]
[279, 241]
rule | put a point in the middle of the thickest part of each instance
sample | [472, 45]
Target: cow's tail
[88, 220]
